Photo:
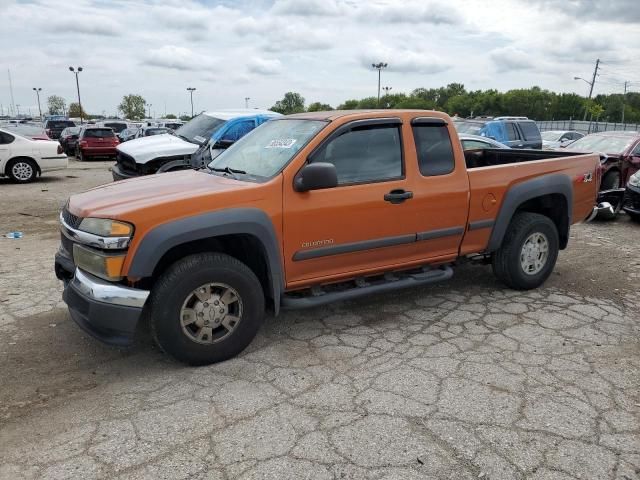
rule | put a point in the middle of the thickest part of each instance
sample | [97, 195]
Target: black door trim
[442, 232]
[479, 224]
[375, 243]
[354, 247]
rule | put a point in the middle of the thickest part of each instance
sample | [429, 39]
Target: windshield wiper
[184, 138]
[231, 171]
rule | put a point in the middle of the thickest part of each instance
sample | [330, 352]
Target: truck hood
[145, 149]
[166, 194]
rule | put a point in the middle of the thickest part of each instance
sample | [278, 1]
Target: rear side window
[530, 131]
[371, 153]
[5, 138]
[435, 153]
[512, 133]
[98, 133]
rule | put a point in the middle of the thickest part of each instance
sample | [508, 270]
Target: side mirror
[316, 176]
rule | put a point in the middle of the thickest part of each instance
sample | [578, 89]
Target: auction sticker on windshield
[281, 143]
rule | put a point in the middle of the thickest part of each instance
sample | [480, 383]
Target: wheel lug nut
[206, 304]
[216, 302]
[222, 310]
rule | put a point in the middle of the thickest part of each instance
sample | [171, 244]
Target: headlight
[100, 264]
[104, 227]
[634, 180]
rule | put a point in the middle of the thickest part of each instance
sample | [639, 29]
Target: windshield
[202, 126]
[116, 126]
[267, 149]
[602, 143]
[551, 136]
[155, 131]
[472, 128]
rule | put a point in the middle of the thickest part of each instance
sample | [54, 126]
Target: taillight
[60, 150]
[83, 143]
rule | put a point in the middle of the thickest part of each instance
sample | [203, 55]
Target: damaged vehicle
[173, 150]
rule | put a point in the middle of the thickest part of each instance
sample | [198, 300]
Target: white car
[559, 138]
[22, 159]
[173, 151]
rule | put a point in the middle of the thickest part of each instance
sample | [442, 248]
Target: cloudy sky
[229, 50]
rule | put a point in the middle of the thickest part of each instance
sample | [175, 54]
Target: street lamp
[18, 109]
[246, 102]
[76, 72]
[38, 90]
[149, 105]
[191, 90]
[379, 67]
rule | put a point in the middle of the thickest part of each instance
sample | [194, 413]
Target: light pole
[379, 67]
[246, 102]
[386, 93]
[76, 72]
[38, 90]
[191, 90]
[149, 116]
[18, 109]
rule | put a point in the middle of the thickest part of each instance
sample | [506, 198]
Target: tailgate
[490, 185]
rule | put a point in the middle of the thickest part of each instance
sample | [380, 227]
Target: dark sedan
[69, 139]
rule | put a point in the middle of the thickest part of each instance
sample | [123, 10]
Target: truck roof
[335, 114]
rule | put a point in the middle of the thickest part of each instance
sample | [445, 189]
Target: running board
[362, 287]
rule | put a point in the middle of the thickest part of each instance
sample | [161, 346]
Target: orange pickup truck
[310, 209]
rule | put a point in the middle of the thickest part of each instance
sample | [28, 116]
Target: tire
[526, 230]
[80, 155]
[611, 180]
[22, 170]
[174, 295]
[634, 216]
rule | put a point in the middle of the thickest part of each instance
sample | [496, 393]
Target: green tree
[349, 105]
[133, 106]
[56, 105]
[170, 116]
[291, 103]
[185, 118]
[74, 111]
[319, 107]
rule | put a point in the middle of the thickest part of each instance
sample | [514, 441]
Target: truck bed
[503, 156]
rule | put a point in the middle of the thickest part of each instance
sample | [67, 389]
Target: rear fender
[528, 190]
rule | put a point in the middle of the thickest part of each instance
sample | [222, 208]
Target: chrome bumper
[603, 209]
[105, 292]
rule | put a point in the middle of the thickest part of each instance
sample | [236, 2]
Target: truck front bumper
[119, 174]
[106, 311]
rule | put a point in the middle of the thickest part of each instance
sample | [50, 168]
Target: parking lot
[460, 380]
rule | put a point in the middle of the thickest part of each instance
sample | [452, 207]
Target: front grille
[126, 162]
[70, 219]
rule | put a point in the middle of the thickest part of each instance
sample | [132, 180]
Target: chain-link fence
[586, 127]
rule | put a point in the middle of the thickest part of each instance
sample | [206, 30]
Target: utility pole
[624, 97]
[13, 102]
[246, 102]
[379, 66]
[149, 105]
[593, 81]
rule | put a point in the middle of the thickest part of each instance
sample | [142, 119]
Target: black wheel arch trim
[252, 221]
[528, 190]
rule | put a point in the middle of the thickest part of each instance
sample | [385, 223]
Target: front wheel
[206, 308]
[528, 252]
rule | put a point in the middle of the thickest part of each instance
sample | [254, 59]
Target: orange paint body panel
[437, 216]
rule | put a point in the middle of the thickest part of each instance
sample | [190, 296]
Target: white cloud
[402, 59]
[264, 66]
[177, 58]
[510, 58]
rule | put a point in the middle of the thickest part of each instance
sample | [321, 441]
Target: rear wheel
[528, 252]
[80, 155]
[22, 170]
[206, 308]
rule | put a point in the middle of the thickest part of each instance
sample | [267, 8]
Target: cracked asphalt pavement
[462, 380]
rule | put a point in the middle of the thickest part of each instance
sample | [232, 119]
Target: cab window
[371, 153]
[433, 146]
[512, 133]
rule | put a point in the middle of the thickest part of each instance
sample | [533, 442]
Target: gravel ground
[455, 381]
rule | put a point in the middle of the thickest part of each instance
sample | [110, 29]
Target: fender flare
[522, 192]
[252, 221]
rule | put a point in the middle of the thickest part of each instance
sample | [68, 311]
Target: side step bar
[361, 288]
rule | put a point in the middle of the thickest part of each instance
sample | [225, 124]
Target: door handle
[397, 196]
